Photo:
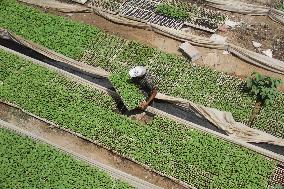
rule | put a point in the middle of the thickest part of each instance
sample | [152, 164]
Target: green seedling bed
[26, 163]
[128, 91]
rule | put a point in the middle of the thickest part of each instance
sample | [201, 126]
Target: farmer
[141, 77]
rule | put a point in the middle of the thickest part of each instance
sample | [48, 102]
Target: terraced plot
[173, 149]
[177, 76]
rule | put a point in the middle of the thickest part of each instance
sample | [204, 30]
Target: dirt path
[143, 36]
[82, 149]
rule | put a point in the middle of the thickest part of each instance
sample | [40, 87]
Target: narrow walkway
[73, 146]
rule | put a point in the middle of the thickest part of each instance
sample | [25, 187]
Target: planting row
[192, 14]
[184, 153]
[177, 76]
[145, 10]
[271, 118]
[109, 5]
[27, 164]
[68, 38]
[165, 13]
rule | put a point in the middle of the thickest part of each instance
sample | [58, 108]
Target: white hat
[138, 71]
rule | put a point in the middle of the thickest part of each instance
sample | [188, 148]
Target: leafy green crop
[271, 119]
[172, 11]
[281, 6]
[28, 164]
[56, 33]
[174, 149]
[177, 76]
[128, 91]
[192, 13]
[264, 88]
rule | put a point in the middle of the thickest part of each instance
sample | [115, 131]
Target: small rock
[231, 23]
[256, 44]
[223, 28]
[268, 53]
[218, 39]
[250, 28]
[190, 51]
[70, 14]
[226, 52]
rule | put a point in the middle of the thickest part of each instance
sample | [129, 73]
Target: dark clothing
[146, 83]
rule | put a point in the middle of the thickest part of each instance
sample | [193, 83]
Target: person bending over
[146, 83]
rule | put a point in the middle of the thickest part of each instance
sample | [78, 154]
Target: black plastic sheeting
[188, 115]
[71, 69]
[167, 107]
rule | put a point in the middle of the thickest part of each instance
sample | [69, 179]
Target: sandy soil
[260, 29]
[261, 2]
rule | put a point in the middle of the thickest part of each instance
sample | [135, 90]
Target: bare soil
[82, 147]
[260, 29]
[143, 36]
[268, 3]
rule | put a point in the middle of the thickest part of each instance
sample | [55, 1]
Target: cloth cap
[138, 71]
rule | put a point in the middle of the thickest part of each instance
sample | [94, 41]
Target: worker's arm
[145, 103]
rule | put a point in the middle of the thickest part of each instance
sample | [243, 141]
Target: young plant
[281, 6]
[278, 186]
[263, 87]
[172, 11]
